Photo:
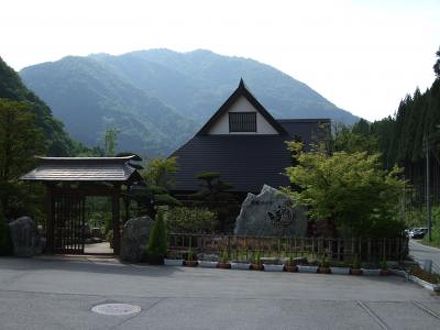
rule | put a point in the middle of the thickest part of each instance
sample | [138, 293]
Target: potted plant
[384, 269]
[340, 269]
[256, 263]
[290, 265]
[272, 265]
[356, 266]
[191, 259]
[207, 260]
[173, 259]
[324, 266]
[224, 260]
[241, 262]
[307, 267]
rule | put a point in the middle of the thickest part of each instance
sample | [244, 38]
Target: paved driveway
[53, 294]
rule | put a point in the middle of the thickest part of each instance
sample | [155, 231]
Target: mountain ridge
[158, 98]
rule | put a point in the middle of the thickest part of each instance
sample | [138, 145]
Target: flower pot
[240, 265]
[355, 271]
[190, 263]
[324, 270]
[340, 270]
[307, 269]
[291, 268]
[370, 272]
[257, 267]
[208, 264]
[224, 265]
[273, 268]
[173, 262]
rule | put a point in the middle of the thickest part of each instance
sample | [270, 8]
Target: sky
[364, 55]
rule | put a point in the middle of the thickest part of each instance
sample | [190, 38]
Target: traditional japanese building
[245, 144]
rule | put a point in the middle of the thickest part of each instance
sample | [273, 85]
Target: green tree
[157, 243]
[214, 194]
[155, 191]
[110, 141]
[357, 138]
[159, 170]
[349, 189]
[20, 141]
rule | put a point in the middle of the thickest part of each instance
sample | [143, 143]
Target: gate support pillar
[116, 222]
[50, 218]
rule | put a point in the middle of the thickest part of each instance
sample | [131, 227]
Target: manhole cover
[116, 309]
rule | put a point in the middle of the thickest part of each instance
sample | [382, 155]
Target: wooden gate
[68, 223]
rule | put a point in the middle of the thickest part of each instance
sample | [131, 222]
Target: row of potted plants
[256, 262]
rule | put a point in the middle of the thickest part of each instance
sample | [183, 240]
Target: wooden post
[116, 221]
[50, 220]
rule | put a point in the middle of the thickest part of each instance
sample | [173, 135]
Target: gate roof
[91, 169]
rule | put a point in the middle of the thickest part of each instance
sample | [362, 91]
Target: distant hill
[159, 98]
[12, 88]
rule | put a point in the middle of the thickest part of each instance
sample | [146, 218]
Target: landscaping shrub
[191, 220]
[157, 243]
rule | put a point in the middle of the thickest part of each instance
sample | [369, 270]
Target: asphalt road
[422, 252]
[54, 294]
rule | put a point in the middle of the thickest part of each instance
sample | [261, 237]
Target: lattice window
[242, 122]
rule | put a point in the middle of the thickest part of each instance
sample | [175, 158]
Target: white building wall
[242, 105]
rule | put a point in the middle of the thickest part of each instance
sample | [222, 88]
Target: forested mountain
[11, 87]
[158, 98]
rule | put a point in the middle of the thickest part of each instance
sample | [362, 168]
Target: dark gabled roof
[309, 131]
[241, 91]
[91, 169]
[245, 161]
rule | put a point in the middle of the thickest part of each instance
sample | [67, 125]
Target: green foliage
[356, 263]
[213, 194]
[155, 191]
[158, 171]
[157, 243]
[110, 141]
[56, 140]
[357, 138]
[20, 139]
[191, 220]
[350, 189]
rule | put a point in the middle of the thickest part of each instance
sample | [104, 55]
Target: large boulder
[134, 238]
[25, 237]
[270, 213]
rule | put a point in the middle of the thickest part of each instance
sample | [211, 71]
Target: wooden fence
[338, 249]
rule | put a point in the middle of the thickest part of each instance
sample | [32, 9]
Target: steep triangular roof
[241, 91]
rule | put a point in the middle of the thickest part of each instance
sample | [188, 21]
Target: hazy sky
[364, 56]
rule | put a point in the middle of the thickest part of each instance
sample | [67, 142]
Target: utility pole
[428, 192]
